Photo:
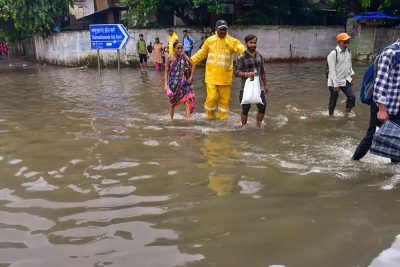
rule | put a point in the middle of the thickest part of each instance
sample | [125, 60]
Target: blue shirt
[188, 41]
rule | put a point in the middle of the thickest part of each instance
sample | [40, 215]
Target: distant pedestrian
[2, 48]
[164, 51]
[188, 42]
[157, 53]
[340, 76]
[178, 78]
[142, 52]
[150, 48]
[250, 65]
[172, 38]
[219, 50]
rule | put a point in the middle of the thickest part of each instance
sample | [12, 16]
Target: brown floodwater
[94, 173]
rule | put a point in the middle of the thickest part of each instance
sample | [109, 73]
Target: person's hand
[382, 115]
[250, 74]
[336, 89]
[190, 80]
[267, 89]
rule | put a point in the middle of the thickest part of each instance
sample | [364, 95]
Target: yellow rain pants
[217, 101]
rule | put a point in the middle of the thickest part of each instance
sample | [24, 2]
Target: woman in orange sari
[178, 79]
[157, 53]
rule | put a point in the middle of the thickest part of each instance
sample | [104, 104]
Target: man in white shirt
[340, 75]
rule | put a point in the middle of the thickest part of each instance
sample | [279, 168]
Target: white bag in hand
[252, 91]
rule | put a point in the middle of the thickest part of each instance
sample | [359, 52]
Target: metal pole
[118, 55]
[98, 61]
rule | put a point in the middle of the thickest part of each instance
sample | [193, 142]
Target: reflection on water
[220, 157]
[94, 173]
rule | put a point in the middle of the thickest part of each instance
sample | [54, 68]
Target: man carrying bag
[249, 66]
[387, 97]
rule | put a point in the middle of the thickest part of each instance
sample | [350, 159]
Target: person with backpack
[188, 42]
[381, 90]
[340, 74]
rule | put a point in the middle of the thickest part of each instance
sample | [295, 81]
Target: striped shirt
[387, 81]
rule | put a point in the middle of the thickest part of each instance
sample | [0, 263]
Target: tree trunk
[180, 13]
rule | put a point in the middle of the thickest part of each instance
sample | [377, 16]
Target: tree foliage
[23, 18]
[390, 6]
[142, 12]
[292, 12]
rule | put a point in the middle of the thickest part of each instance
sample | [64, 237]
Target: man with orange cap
[340, 76]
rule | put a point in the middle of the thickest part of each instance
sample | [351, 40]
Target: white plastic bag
[252, 91]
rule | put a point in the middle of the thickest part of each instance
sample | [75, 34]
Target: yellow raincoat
[171, 40]
[219, 69]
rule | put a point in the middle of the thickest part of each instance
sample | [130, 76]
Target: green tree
[140, 12]
[23, 18]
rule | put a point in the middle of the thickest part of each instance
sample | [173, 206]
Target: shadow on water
[94, 173]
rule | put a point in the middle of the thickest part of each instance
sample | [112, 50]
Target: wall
[274, 43]
[362, 43]
[384, 37]
[369, 40]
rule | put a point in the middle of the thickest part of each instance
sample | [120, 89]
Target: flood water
[94, 173]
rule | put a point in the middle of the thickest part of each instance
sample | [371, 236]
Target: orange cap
[342, 37]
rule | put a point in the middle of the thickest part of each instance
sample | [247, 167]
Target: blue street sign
[108, 36]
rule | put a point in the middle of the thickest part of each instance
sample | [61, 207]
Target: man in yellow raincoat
[219, 50]
[172, 38]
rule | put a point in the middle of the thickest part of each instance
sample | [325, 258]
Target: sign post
[98, 61]
[108, 36]
[118, 55]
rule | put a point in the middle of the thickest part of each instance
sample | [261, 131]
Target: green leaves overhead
[23, 18]
[143, 12]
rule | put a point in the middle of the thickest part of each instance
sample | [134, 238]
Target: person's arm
[264, 77]
[381, 82]
[201, 54]
[382, 113]
[166, 74]
[351, 68]
[239, 48]
[332, 69]
[189, 60]
[240, 70]
[192, 41]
